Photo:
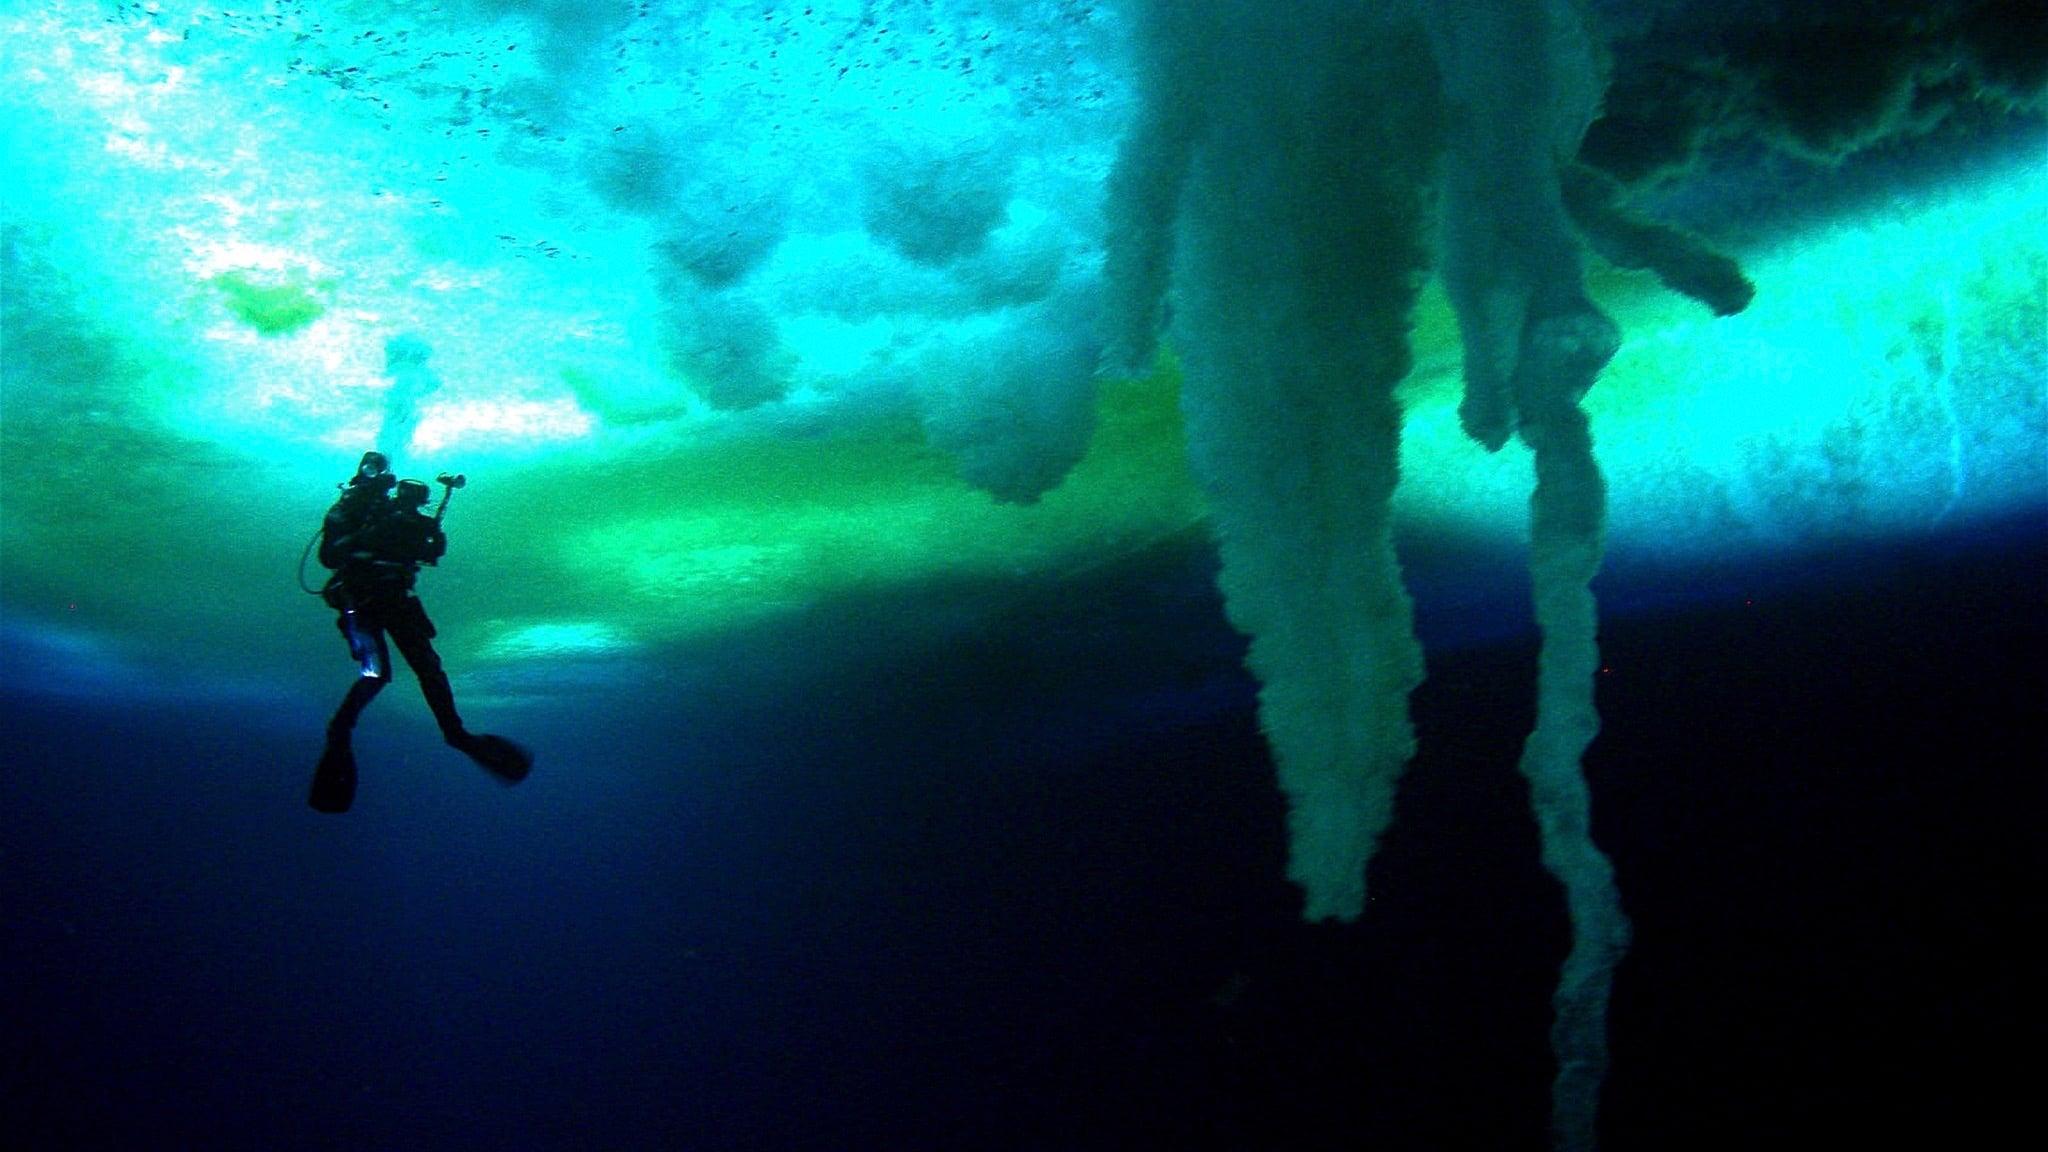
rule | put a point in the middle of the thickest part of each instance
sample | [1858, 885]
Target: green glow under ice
[202, 274]
[1891, 375]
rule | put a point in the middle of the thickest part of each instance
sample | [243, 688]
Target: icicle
[1568, 512]
[405, 362]
[1296, 261]
[1295, 228]
[1534, 346]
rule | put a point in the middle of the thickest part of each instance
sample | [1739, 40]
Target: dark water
[1016, 885]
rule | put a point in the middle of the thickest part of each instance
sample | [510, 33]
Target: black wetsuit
[376, 548]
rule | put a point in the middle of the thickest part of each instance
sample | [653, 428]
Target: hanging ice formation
[1282, 176]
[405, 363]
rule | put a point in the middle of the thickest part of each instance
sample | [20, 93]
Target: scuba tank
[362, 496]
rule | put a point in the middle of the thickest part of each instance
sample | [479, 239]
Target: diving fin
[334, 781]
[509, 762]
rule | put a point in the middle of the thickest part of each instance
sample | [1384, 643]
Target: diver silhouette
[375, 538]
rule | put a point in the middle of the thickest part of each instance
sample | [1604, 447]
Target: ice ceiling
[732, 306]
[730, 309]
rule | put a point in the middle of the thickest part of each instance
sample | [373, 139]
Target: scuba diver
[375, 538]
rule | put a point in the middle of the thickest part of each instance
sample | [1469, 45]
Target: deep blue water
[854, 884]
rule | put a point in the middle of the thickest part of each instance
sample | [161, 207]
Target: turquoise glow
[216, 221]
[1891, 376]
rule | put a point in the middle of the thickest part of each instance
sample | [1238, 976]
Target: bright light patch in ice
[560, 638]
[1892, 374]
[484, 423]
[220, 231]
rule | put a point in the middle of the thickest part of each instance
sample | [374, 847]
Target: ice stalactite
[1278, 179]
[1287, 194]
[1681, 260]
[1144, 196]
[1534, 345]
[405, 362]
[1567, 521]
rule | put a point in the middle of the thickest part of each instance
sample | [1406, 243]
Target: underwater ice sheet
[697, 328]
[768, 336]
